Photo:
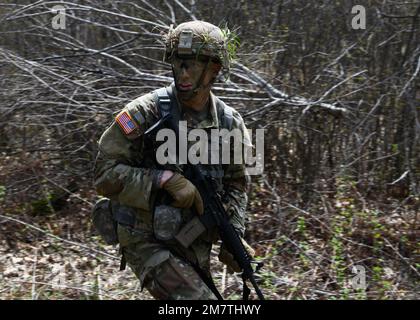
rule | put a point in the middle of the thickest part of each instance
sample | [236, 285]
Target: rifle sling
[168, 105]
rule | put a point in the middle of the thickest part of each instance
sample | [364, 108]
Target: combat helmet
[198, 38]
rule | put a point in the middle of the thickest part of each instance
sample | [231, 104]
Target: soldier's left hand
[184, 193]
[227, 258]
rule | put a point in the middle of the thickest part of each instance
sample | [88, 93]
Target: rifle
[214, 216]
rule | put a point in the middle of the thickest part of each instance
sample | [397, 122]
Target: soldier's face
[187, 73]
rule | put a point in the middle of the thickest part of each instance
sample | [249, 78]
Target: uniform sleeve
[237, 184]
[236, 200]
[117, 174]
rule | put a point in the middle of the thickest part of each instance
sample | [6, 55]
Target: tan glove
[184, 193]
[227, 258]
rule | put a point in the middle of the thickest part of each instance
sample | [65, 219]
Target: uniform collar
[212, 120]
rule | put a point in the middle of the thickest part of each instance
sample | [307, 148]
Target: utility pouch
[166, 222]
[189, 232]
[103, 221]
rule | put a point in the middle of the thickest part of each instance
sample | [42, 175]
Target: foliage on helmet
[218, 43]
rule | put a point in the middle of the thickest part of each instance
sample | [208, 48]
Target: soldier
[126, 172]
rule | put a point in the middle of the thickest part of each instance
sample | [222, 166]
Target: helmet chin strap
[200, 84]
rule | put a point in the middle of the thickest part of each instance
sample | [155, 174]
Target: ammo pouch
[103, 221]
[106, 215]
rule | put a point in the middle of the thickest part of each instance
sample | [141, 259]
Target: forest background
[335, 215]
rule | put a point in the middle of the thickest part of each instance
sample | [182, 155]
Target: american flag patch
[126, 122]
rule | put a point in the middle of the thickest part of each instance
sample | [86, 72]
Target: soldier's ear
[216, 68]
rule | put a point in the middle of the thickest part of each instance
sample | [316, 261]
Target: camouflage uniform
[126, 172]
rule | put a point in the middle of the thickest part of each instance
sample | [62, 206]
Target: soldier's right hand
[184, 193]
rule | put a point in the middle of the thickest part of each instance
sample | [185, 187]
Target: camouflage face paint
[188, 74]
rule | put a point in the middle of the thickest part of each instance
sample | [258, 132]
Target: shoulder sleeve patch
[126, 122]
